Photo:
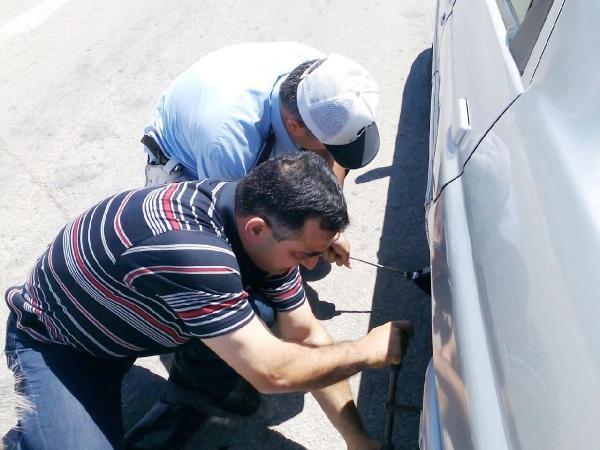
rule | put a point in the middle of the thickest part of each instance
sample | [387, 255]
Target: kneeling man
[157, 270]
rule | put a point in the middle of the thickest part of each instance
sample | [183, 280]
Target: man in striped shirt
[154, 270]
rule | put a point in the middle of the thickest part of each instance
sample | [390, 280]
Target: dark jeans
[75, 398]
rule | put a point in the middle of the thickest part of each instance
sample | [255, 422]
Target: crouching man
[157, 270]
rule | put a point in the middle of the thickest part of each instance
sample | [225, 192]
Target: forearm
[337, 403]
[305, 368]
[273, 365]
[340, 173]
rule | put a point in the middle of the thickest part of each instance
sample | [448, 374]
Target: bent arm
[273, 365]
[339, 171]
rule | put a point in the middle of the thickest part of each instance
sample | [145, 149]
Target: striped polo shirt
[145, 271]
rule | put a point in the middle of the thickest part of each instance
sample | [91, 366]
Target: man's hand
[387, 343]
[339, 251]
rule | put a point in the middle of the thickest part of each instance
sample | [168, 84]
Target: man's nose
[311, 262]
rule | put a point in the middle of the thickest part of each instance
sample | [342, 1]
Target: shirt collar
[225, 206]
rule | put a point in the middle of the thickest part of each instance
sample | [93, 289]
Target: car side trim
[430, 437]
[527, 35]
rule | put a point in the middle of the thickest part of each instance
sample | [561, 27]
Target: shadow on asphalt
[403, 244]
[143, 388]
[324, 310]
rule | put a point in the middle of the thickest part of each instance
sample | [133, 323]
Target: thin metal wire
[407, 274]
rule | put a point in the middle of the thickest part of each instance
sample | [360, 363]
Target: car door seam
[474, 149]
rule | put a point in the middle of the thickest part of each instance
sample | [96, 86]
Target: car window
[524, 20]
[520, 8]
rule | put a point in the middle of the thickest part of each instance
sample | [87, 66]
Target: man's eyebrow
[311, 254]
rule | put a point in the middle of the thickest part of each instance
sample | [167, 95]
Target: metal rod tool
[390, 408]
[409, 275]
[390, 405]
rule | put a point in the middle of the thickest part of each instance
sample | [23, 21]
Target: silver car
[513, 221]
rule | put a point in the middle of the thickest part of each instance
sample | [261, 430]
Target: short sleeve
[193, 273]
[284, 292]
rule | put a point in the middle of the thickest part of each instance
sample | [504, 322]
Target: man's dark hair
[288, 190]
[289, 90]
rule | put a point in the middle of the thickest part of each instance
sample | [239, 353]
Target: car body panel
[515, 242]
[532, 207]
[469, 406]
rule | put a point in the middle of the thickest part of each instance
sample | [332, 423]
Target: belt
[159, 157]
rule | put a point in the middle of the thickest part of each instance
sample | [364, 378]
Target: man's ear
[294, 125]
[256, 230]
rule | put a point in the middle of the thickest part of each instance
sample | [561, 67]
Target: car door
[476, 79]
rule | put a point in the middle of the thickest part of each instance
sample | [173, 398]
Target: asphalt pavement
[78, 81]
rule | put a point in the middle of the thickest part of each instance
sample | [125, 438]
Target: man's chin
[276, 270]
[273, 270]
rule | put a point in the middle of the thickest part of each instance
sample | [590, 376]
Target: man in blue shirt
[245, 103]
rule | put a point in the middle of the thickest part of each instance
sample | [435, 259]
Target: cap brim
[358, 153]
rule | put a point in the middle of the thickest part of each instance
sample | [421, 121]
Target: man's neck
[225, 206]
[288, 121]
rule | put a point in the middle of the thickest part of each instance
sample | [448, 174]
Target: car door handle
[461, 124]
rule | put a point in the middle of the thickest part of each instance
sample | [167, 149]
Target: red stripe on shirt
[117, 221]
[111, 296]
[131, 276]
[209, 309]
[168, 207]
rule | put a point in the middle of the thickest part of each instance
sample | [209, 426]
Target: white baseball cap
[337, 100]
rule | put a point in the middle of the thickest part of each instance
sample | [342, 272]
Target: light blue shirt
[215, 117]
